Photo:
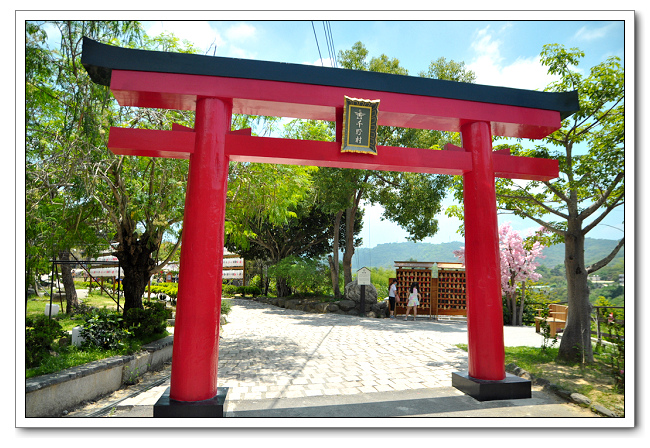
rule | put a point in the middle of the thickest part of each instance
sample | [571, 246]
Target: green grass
[594, 381]
[36, 306]
[66, 356]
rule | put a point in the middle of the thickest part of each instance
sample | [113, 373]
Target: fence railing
[605, 318]
[599, 315]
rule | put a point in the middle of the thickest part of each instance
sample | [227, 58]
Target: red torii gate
[217, 87]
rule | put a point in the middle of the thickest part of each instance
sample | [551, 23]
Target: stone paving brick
[292, 353]
[294, 394]
[367, 389]
[313, 393]
[350, 391]
[272, 395]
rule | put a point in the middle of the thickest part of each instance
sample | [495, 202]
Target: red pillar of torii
[218, 87]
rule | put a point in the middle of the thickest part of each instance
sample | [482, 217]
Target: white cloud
[324, 62]
[527, 74]
[490, 69]
[486, 47]
[587, 34]
[240, 31]
[198, 32]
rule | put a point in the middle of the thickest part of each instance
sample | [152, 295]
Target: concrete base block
[54, 309]
[510, 388]
[77, 339]
[215, 407]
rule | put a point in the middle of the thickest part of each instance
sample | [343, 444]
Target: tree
[267, 217]
[129, 202]
[517, 264]
[304, 235]
[591, 183]
[65, 115]
[259, 193]
[335, 189]
[450, 71]
[410, 199]
[143, 198]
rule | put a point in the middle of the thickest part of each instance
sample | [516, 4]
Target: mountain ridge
[386, 254]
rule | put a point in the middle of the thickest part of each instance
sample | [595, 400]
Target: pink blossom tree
[518, 265]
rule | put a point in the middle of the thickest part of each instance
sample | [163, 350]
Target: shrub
[228, 290]
[226, 306]
[81, 310]
[40, 336]
[168, 288]
[104, 329]
[148, 321]
[304, 276]
[249, 290]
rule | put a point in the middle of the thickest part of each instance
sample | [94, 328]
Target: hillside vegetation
[385, 255]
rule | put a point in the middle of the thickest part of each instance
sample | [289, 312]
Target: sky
[502, 48]
[502, 52]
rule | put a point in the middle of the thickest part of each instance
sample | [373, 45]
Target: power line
[317, 46]
[331, 40]
[329, 49]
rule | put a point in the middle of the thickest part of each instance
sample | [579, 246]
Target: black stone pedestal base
[214, 407]
[510, 388]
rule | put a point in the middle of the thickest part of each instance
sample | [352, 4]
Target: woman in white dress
[413, 301]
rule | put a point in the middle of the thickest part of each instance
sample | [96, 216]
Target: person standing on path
[392, 298]
[413, 301]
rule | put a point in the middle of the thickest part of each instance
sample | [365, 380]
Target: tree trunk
[260, 264]
[267, 280]
[282, 287]
[135, 259]
[334, 258]
[349, 244]
[575, 345]
[520, 315]
[71, 300]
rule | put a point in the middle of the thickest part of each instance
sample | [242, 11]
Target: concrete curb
[50, 395]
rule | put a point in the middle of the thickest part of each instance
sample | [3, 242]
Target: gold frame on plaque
[365, 131]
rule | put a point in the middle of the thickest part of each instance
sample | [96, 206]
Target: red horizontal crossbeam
[527, 168]
[316, 102]
[513, 167]
[151, 143]
[245, 148]
[318, 153]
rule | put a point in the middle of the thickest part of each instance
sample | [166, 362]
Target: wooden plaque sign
[360, 126]
[363, 276]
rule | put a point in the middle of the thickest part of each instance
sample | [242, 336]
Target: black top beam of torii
[100, 60]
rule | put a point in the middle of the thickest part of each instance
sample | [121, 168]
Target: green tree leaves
[590, 149]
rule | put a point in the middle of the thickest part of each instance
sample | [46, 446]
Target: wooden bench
[556, 319]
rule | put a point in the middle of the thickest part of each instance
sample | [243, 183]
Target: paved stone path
[287, 363]
[270, 352]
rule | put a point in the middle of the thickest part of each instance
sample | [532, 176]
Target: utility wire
[317, 46]
[331, 40]
[329, 49]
